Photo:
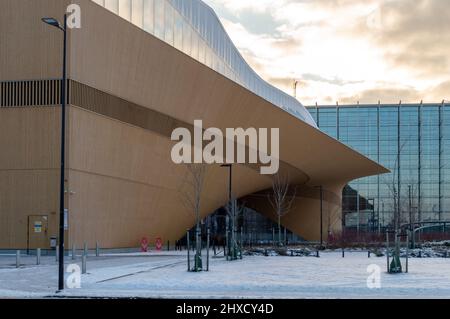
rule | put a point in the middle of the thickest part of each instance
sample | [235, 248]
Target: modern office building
[412, 141]
[137, 70]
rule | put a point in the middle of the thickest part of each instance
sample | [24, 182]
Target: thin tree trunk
[279, 230]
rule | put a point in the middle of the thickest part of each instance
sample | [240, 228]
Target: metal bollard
[188, 251]
[343, 253]
[85, 250]
[407, 253]
[317, 254]
[17, 258]
[168, 245]
[387, 251]
[38, 256]
[97, 250]
[207, 249]
[83, 264]
[73, 252]
[368, 254]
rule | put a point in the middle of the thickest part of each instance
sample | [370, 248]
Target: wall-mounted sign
[38, 227]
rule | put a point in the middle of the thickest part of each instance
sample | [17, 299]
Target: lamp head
[51, 21]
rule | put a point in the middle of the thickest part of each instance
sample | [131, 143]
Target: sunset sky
[345, 50]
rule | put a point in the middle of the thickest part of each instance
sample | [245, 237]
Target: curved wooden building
[128, 90]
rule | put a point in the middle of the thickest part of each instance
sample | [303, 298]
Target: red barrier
[144, 245]
[158, 244]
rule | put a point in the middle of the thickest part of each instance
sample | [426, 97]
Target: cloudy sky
[345, 50]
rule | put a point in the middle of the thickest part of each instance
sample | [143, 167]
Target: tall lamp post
[230, 198]
[54, 23]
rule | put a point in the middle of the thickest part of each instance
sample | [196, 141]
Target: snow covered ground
[164, 275]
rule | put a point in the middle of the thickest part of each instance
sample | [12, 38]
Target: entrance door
[38, 232]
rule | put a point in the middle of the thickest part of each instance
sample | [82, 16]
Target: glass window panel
[201, 50]
[137, 13]
[159, 18]
[178, 31]
[125, 9]
[112, 5]
[187, 40]
[100, 2]
[169, 23]
[194, 47]
[149, 16]
[208, 57]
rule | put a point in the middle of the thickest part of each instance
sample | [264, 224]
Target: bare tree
[400, 204]
[191, 194]
[280, 199]
[234, 211]
[334, 217]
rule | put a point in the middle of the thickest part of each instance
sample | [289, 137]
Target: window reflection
[186, 38]
[137, 12]
[112, 5]
[149, 16]
[194, 47]
[178, 31]
[159, 19]
[125, 9]
[168, 24]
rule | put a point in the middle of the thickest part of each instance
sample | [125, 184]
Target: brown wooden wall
[121, 182]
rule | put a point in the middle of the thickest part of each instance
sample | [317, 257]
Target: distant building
[412, 140]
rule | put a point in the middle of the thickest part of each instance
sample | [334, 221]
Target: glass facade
[193, 28]
[411, 140]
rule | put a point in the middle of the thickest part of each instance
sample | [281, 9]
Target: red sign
[158, 244]
[144, 245]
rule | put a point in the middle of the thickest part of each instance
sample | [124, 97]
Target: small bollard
[168, 245]
[317, 254]
[420, 254]
[38, 256]
[207, 249]
[343, 253]
[407, 253]
[83, 264]
[85, 250]
[97, 250]
[17, 258]
[368, 254]
[73, 252]
[188, 248]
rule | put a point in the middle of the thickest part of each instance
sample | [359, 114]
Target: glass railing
[192, 27]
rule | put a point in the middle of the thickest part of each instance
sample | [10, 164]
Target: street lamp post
[54, 23]
[230, 198]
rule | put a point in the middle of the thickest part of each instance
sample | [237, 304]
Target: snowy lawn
[165, 276]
